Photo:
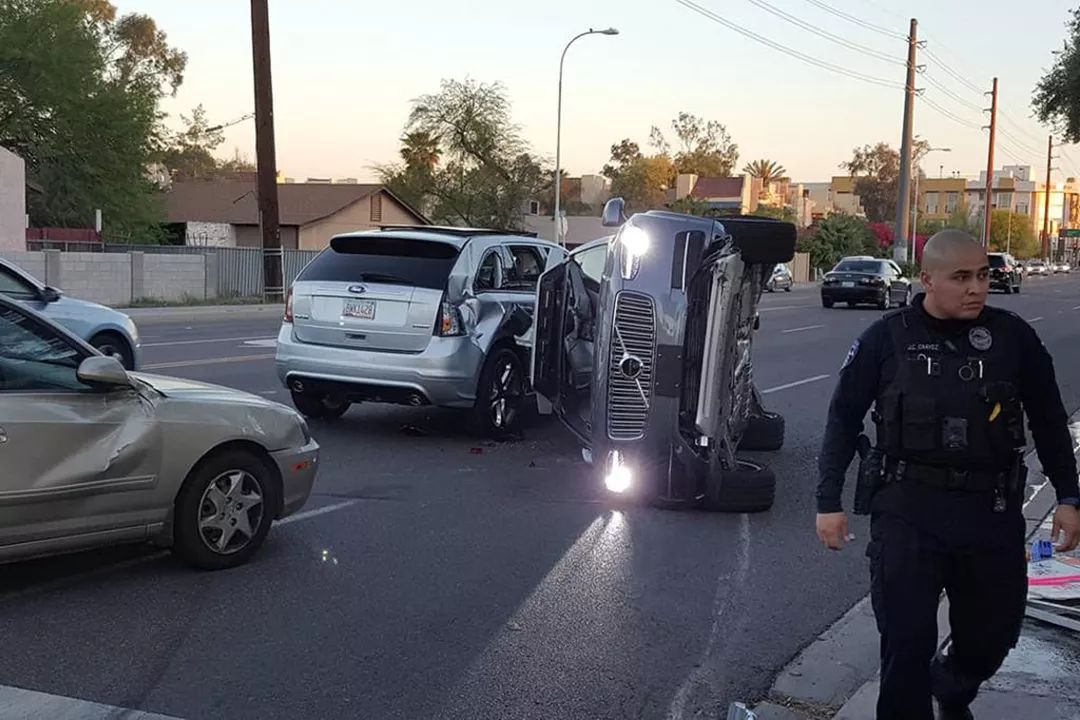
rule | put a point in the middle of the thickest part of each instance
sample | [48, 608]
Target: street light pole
[558, 129]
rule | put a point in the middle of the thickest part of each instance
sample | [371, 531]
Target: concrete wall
[120, 278]
[12, 201]
[355, 217]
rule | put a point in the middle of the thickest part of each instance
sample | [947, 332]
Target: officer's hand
[1066, 520]
[832, 529]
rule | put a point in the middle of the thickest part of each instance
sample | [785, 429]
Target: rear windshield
[859, 266]
[997, 261]
[400, 261]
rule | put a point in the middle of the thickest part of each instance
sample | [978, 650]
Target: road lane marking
[19, 703]
[246, 340]
[263, 342]
[797, 383]
[1077, 307]
[1035, 319]
[784, 307]
[206, 361]
[317, 511]
[800, 329]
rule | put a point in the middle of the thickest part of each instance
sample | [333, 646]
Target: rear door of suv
[378, 291]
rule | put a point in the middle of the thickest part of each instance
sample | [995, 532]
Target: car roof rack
[458, 231]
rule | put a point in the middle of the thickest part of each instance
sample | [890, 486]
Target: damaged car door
[564, 346]
[78, 463]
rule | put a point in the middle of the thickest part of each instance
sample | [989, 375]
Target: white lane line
[207, 341]
[317, 511]
[206, 361]
[263, 342]
[1035, 319]
[1077, 307]
[797, 383]
[800, 329]
[784, 307]
[19, 704]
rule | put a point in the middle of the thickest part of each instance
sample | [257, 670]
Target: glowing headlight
[635, 242]
[618, 479]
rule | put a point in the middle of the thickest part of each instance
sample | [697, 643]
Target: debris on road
[414, 431]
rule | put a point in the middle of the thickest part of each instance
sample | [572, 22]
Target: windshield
[399, 261]
[997, 261]
[860, 266]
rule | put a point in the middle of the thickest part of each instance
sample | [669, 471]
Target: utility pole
[265, 154]
[989, 204]
[904, 194]
[1046, 199]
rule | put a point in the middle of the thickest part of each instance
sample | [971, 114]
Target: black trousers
[987, 590]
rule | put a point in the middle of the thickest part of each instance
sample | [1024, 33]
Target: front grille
[634, 336]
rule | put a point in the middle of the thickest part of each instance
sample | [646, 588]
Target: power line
[705, 12]
[1019, 143]
[1011, 153]
[952, 116]
[936, 83]
[1020, 128]
[880, 55]
[858, 21]
[953, 73]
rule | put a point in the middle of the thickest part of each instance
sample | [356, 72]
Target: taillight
[449, 321]
[288, 307]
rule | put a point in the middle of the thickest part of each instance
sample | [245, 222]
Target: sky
[346, 72]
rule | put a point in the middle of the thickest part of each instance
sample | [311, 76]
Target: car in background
[864, 280]
[95, 455]
[1062, 268]
[415, 316]
[1037, 267]
[780, 279]
[110, 331]
[1005, 273]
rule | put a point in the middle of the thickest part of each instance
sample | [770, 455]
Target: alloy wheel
[230, 511]
[504, 395]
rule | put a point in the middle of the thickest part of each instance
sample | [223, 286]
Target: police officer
[950, 380]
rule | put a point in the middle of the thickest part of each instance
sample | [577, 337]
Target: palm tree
[767, 170]
[420, 150]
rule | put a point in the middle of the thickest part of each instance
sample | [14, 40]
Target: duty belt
[946, 478]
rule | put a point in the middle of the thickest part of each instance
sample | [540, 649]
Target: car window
[488, 275]
[14, 286]
[997, 261]
[33, 357]
[528, 265]
[860, 266]
[392, 260]
[894, 270]
[592, 262]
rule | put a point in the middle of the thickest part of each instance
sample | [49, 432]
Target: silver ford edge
[414, 316]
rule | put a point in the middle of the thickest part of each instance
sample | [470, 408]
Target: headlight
[618, 478]
[635, 245]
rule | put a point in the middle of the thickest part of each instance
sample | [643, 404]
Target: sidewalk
[836, 676]
[195, 313]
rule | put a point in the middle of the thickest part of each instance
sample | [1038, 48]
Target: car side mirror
[103, 371]
[614, 213]
[49, 295]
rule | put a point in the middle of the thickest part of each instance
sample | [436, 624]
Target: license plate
[359, 309]
[847, 284]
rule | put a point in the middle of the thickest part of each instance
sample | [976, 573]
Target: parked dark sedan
[1005, 273]
[866, 281]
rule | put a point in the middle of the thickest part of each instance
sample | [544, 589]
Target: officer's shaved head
[956, 275]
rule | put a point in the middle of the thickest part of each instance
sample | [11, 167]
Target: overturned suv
[642, 345]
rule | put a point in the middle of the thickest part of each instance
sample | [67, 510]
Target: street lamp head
[609, 31]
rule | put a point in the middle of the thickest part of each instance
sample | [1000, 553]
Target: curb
[194, 314]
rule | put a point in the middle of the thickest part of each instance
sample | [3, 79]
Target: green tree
[776, 213]
[705, 147]
[1056, 99]
[835, 237]
[641, 180]
[876, 169]
[189, 155]
[238, 163]
[767, 170]
[79, 94]
[1012, 232]
[691, 206]
[464, 159]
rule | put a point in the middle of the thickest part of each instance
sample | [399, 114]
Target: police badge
[980, 338]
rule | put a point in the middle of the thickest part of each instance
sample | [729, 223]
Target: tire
[1017, 288]
[761, 241]
[500, 394]
[764, 433]
[827, 302]
[114, 345]
[1008, 290]
[202, 516]
[320, 407]
[750, 488]
[787, 289]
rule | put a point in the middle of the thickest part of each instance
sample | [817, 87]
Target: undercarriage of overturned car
[648, 361]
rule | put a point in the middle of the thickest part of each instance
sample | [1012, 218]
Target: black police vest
[953, 401]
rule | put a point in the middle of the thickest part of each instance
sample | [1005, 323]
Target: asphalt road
[455, 578]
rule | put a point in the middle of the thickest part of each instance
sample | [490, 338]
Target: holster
[871, 474]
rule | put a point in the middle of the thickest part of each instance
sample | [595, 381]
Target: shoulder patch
[851, 355]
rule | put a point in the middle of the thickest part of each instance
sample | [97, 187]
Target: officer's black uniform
[947, 398]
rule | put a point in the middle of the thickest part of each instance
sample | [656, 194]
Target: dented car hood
[173, 387]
